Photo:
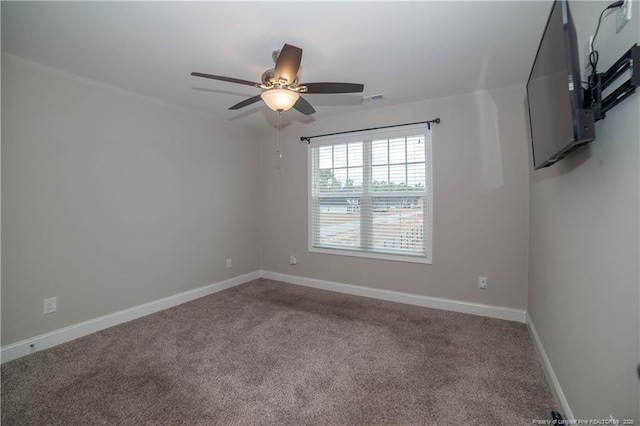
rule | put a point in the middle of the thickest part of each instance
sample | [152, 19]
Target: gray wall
[584, 250]
[480, 201]
[111, 199]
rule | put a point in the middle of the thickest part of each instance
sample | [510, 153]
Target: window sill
[373, 255]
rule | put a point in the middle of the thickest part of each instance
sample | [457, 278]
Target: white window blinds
[370, 194]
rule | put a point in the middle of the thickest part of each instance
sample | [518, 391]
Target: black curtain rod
[428, 123]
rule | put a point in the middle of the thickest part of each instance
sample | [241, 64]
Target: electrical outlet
[293, 260]
[623, 15]
[482, 282]
[49, 305]
[229, 263]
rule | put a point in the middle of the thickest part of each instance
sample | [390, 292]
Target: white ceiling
[404, 50]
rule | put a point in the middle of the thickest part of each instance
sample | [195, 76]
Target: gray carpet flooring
[272, 353]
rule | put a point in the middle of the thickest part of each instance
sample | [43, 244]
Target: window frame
[367, 136]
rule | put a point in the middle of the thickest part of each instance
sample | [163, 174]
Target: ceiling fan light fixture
[280, 99]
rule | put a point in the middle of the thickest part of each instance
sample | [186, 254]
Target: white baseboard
[56, 337]
[66, 334]
[552, 379]
[499, 312]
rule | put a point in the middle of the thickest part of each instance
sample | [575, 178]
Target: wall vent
[369, 98]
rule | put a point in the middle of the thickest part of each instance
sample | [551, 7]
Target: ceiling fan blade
[223, 78]
[303, 106]
[333, 87]
[288, 63]
[246, 102]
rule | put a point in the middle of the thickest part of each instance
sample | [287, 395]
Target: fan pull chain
[279, 120]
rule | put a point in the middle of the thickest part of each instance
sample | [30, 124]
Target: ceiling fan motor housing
[269, 80]
[267, 76]
[274, 55]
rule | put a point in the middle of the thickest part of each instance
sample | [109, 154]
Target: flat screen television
[559, 121]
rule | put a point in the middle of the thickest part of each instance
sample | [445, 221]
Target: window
[370, 194]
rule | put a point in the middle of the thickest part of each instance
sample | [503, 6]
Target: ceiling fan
[280, 88]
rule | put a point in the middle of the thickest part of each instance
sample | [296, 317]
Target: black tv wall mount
[600, 81]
